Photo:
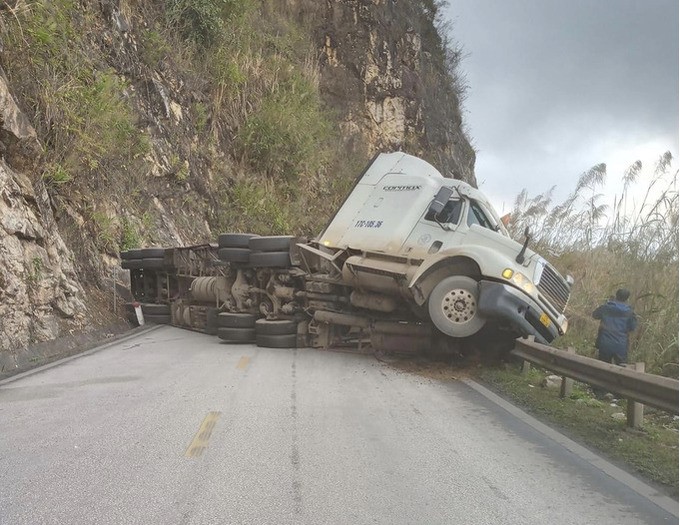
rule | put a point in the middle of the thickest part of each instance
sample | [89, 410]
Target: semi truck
[410, 261]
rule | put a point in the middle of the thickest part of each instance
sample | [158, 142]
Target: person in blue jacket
[617, 320]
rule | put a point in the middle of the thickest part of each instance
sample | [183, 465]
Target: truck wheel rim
[459, 306]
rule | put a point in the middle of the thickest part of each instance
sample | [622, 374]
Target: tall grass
[80, 107]
[632, 243]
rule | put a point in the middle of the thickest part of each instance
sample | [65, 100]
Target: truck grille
[554, 288]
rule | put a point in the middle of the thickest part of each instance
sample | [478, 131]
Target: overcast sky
[557, 86]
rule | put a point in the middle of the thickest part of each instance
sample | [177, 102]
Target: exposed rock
[38, 284]
[591, 402]
[619, 416]
[18, 138]
[378, 71]
[552, 381]
[121, 23]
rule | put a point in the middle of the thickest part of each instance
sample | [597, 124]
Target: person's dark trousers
[611, 358]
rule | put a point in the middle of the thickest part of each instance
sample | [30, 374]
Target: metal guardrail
[649, 389]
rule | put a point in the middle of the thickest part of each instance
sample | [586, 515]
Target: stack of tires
[156, 313]
[146, 258]
[276, 334]
[131, 260]
[153, 258]
[234, 247]
[153, 313]
[246, 328]
[254, 250]
[236, 328]
[270, 252]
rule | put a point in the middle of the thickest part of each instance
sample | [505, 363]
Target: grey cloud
[548, 76]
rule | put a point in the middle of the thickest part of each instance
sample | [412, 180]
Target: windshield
[476, 215]
[480, 214]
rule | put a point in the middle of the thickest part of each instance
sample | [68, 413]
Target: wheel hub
[459, 306]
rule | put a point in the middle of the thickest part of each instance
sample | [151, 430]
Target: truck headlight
[520, 280]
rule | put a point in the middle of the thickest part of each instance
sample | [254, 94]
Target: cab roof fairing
[403, 163]
[398, 163]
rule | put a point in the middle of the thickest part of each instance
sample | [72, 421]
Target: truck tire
[131, 264]
[234, 240]
[155, 309]
[274, 243]
[276, 341]
[276, 327]
[270, 260]
[131, 254]
[157, 319]
[237, 255]
[236, 335]
[211, 321]
[153, 253]
[453, 306]
[231, 320]
[155, 263]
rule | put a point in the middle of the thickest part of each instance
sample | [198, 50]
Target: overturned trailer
[411, 261]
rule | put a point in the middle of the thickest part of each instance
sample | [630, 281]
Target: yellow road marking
[243, 362]
[200, 441]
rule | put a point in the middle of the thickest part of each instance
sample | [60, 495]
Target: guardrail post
[526, 365]
[115, 301]
[567, 382]
[634, 410]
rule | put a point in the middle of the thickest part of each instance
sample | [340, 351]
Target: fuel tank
[386, 275]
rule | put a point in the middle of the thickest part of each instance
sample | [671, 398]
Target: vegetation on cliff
[213, 108]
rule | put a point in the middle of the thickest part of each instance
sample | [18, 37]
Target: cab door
[433, 232]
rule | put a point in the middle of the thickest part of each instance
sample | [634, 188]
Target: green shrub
[203, 21]
[98, 118]
[81, 107]
[129, 235]
[49, 29]
[34, 271]
[196, 20]
[154, 48]
[56, 174]
[201, 116]
[288, 134]
[105, 230]
[261, 208]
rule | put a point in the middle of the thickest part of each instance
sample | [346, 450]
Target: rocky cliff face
[40, 295]
[383, 68]
[120, 126]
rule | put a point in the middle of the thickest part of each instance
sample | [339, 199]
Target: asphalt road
[173, 427]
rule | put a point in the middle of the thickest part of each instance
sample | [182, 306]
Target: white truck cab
[412, 233]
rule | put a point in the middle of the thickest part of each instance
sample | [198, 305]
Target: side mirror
[440, 200]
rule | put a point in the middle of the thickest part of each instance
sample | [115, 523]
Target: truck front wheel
[454, 306]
